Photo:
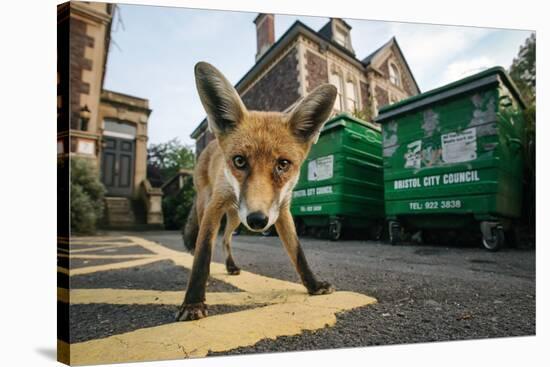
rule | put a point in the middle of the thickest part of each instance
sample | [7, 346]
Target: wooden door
[117, 166]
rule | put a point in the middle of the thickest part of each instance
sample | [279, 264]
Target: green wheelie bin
[453, 158]
[341, 185]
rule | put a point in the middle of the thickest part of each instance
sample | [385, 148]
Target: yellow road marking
[144, 297]
[106, 257]
[100, 248]
[289, 311]
[96, 239]
[217, 333]
[114, 266]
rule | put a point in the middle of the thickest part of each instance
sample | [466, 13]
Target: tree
[164, 160]
[523, 73]
[175, 208]
[523, 69]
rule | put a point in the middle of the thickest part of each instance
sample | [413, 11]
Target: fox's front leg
[193, 307]
[287, 233]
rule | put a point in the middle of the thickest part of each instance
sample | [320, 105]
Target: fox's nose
[257, 220]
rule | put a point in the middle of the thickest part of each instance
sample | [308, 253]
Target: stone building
[288, 69]
[109, 128]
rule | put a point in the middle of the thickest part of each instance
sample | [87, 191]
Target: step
[119, 213]
[118, 205]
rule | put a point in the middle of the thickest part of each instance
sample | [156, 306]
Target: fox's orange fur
[247, 174]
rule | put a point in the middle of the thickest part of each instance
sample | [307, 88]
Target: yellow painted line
[104, 244]
[115, 266]
[217, 333]
[100, 248]
[289, 311]
[96, 238]
[143, 297]
[106, 256]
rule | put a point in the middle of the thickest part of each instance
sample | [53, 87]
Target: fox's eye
[239, 161]
[283, 165]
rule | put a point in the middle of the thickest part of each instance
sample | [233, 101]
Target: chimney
[265, 33]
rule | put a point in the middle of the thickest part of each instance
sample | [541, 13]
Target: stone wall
[382, 97]
[278, 88]
[78, 41]
[316, 71]
[364, 91]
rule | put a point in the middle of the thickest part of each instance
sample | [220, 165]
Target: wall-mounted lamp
[85, 115]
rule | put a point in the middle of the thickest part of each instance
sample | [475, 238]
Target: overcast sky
[156, 48]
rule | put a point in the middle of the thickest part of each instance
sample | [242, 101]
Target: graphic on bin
[341, 181]
[453, 157]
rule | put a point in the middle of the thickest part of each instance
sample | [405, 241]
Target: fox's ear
[220, 100]
[307, 119]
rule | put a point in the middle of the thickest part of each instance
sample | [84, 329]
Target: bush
[176, 208]
[87, 194]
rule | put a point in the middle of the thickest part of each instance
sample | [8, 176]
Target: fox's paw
[233, 270]
[321, 288]
[192, 311]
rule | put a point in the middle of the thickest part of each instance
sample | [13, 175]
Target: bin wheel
[376, 230]
[513, 237]
[395, 232]
[335, 230]
[493, 236]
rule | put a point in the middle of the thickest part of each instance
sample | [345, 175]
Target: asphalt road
[424, 293]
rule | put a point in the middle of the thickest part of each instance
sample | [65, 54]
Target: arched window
[351, 96]
[336, 80]
[394, 75]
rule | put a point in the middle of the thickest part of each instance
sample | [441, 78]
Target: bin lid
[342, 118]
[490, 76]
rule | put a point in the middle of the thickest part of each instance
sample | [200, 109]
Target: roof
[487, 77]
[326, 30]
[291, 33]
[366, 61]
[322, 37]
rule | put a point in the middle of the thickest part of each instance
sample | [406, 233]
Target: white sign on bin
[320, 168]
[459, 146]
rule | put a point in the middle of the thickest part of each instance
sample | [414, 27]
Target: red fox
[247, 174]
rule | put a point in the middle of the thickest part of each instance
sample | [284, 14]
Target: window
[119, 129]
[351, 97]
[336, 80]
[340, 36]
[394, 75]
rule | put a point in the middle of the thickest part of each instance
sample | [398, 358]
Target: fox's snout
[257, 220]
[259, 215]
